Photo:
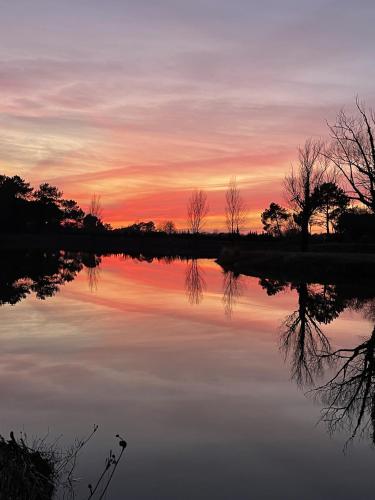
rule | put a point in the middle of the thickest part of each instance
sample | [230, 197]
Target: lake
[210, 377]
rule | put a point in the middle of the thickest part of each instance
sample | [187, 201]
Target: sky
[143, 101]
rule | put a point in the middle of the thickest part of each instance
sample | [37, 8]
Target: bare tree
[95, 207]
[197, 210]
[300, 185]
[352, 152]
[235, 210]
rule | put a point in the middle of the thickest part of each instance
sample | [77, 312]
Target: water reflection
[302, 338]
[348, 396]
[233, 288]
[131, 350]
[195, 283]
[92, 265]
[273, 286]
[42, 273]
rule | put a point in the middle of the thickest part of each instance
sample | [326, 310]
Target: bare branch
[352, 152]
[197, 210]
[235, 209]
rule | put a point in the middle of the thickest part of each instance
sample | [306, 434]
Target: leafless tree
[95, 207]
[352, 152]
[235, 209]
[300, 184]
[197, 210]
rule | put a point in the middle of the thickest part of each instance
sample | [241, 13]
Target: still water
[207, 376]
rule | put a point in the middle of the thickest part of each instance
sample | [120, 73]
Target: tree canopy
[25, 209]
[274, 219]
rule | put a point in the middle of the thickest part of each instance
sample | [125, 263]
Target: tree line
[332, 185]
[43, 209]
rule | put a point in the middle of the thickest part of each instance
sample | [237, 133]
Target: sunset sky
[141, 101]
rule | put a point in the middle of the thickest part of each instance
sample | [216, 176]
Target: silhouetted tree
[15, 194]
[274, 219]
[300, 185]
[168, 227]
[235, 209]
[95, 207]
[73, 215]
[92, 224]
[331, 201]
[23, 209]
[197, 210]
[141, 227]
[352, 152]
[48, 194]
[356, 224]
[48, 200]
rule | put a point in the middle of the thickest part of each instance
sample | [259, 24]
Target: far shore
[153, 245]
[317, 267]
[325, 262]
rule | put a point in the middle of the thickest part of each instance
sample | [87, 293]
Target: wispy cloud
[133, 99]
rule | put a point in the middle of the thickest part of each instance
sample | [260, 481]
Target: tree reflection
[348, 396]
[195, 283]
[39, 272]
[273, 286]
[92, 264]
[233, 288]
[326, 302]
[302, 338]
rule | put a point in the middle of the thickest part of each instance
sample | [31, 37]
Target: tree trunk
[327, 220]
[278, 227]
[305, 234]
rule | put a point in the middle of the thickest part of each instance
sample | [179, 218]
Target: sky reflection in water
[186, 365]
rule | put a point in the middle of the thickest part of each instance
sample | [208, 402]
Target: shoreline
[151, 245]
[332, 261]
[317, 267]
